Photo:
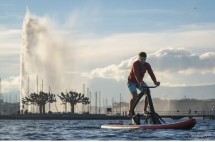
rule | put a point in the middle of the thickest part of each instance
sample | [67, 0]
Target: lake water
[90, 130]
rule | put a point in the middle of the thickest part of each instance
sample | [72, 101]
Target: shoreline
[62, 117]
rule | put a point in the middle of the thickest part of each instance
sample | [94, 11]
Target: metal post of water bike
[141, 95]
[154, 116]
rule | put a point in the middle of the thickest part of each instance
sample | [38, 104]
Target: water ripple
[90, 130]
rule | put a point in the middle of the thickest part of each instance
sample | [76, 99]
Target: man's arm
[152, 75]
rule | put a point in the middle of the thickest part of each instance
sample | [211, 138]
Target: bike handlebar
[150, 86]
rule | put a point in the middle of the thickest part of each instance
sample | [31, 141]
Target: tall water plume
[42, 55]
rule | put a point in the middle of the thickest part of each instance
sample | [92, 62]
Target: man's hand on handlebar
[157, 83]
[141, 83]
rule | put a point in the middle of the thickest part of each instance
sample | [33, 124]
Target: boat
[183, 125]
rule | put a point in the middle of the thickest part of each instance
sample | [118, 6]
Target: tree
[40, 99]
[73, 98]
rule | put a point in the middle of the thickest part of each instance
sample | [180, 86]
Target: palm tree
[73, 98]
[40, 99]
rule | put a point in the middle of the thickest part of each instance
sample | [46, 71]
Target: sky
[101, 39]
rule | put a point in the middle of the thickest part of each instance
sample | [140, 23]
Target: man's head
[142, 57]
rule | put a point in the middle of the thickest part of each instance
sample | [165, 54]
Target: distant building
[184, 105]
[8, 108]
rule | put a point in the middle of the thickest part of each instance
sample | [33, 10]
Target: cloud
[93, 50]
[10, 41]
[172, 66]
[11, 83]
[8, 32]
[117, 72]
[180, 59]
[94, 55]
[121, 45]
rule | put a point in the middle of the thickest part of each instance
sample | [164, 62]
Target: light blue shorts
[134, 86]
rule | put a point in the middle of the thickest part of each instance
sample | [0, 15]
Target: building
[184, 105]
[8, 108]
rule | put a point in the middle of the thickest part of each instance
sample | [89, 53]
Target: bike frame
[155, 118]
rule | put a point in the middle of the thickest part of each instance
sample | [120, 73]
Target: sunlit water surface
[90, 130]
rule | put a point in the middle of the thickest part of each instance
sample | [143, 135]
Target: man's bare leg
[132, 101]
[145, 105]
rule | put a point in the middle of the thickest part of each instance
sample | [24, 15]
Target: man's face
[142, 59]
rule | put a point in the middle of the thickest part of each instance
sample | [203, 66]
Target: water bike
[152, 119]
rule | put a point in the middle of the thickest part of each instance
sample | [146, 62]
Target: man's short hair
[142, 54]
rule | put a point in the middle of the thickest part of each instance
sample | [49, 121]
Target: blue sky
[136, 16]
[104, 36]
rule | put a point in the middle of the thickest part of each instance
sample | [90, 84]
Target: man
[135, 80]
